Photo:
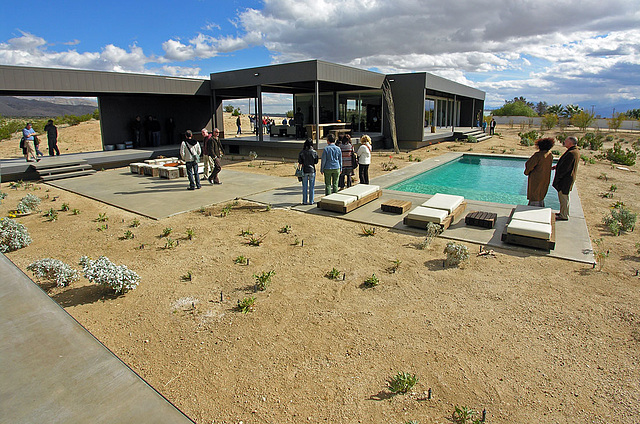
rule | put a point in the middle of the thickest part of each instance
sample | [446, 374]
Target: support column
[259, 116]
[316, 112]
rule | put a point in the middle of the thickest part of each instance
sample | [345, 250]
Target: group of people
[29, 143]
[539, 166]
[211, 152]
[148, 132]
[337, 167]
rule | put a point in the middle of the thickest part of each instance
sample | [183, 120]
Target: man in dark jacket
[216, 152]
[52, 138]
[566, 170]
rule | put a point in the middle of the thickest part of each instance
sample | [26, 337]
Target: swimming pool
[486, 178]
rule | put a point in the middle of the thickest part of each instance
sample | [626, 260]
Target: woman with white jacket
[364, 158]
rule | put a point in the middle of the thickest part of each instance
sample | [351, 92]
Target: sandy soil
[531, 339]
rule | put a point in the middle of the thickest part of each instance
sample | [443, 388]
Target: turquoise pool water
[485, 178]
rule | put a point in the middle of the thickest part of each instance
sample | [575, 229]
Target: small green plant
[128, 235]
[75, 211]
[600, 253]
[64, 207]
[268, 208]
[53, 270]
[285, 230]
[613, 188]
[263, 280]
[245, 233]
[166, 232]
[529, 138]
[333, 274]
[169, 243]
[395, 266]
[102, 217]
[240, 260]
[254, 240]
[389, 165]
[456, 253]
[226, 210]
[371, 231]
[372, 281]
[190, 233]
[296, 242]
[135, 223]
[587, 160]
[621, 219]
[603, 176]
[103, 227]
[246, 305]
[51, 215]
[187, 277]
[402, 382]
[464, 415]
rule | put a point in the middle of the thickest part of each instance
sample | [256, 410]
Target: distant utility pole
[592, 106]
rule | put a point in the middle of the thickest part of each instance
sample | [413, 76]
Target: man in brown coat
[566, 170]
[538, 168]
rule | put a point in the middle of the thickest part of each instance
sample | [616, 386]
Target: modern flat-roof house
[328, 95]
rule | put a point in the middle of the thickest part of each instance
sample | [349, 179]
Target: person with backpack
[190, 153]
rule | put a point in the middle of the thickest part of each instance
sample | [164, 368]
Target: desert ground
[526, 337]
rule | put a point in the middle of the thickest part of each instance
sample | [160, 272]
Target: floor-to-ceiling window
[441, 112]
[429, 112]
[363, 110]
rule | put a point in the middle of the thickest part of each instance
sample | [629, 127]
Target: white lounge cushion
[338, 199]
[361, 190]
[422, 213]
[529, 229]
[447, 202]
[533, 214]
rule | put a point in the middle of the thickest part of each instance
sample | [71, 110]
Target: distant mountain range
[29, 107]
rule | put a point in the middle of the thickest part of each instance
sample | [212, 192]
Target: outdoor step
[484, 137]
[63, 169]
[68, 175]
[47, 163]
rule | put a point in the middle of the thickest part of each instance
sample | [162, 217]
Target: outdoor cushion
[361, 190]
[447, 202]
[529, 229]
[422, 213]
[533, 214]
[339, 199]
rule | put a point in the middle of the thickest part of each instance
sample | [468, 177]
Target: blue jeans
[192, 174]
[308, 186]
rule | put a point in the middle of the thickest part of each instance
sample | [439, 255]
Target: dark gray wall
[118, 112]
[408, 99]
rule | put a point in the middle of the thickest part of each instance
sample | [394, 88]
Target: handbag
[22, 146]
[354, 161]
[298, 173]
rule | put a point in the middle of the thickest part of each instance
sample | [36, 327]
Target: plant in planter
[105, 273]
[402, 382]
[54, 270]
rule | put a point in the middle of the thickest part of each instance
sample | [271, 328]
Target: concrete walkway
[53, 371]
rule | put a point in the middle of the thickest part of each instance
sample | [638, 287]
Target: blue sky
[561, 52]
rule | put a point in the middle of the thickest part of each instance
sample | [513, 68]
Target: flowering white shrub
[13, 236]
[54, 270]
[456, 253]
[105, 273]
[28, 203]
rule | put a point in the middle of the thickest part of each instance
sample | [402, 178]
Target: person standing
[307, 159]
[492, 126]
[52, 138]
[207, 154]
[190, 152]
[566, 170]
[136, 128]
[331, 165]
[298, 118]
[538, 169]
[238, 124]
[484, 126]
[170, 128]
[364, 158]
[29, 136]
[218, 152]
[156, 131]
[347, 162]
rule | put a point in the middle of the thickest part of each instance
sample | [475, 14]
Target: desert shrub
[54, 270]
[600, 252]
[529, 138]
[246, 304]
[591, 141]
[28, 203]
[549, 121]
[13, 235]
[620, 220]
[587, 159]
[105, 273]
[456, 253]
[372, 281]
[616, 155]
[333, 274]
[433, 231]
[472, 139]
[402, 382]
[583, 119]
[609, 138]
[263, 280]
[464, 415]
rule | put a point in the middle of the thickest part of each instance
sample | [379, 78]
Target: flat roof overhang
[438, 84]
[24, 81]
[293, 78]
